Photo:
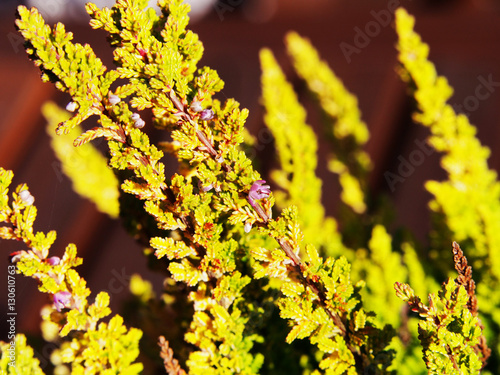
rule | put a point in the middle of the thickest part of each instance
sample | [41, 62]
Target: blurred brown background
[464, 38]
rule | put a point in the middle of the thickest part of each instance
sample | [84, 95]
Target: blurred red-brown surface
[464, 37]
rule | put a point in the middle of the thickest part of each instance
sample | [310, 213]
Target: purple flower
[206, 114]
[258, 191]
[63, 300]
[53, 261]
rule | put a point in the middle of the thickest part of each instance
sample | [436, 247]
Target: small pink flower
[63, 300]
[139, 124]
[26, 197]
[138, 121]
[258, 191]
[207, 188]
[206, 114]
[53, 261]
[114, 99]
[142, 52]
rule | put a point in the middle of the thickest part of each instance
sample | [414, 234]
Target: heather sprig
[466, 205]
[72, 312]
[449, 330]
[296, 147]
[344, 127]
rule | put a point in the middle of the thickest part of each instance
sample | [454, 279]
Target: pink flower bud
[71, 106]
[24, 194]
[53, 261]
[196, 106]
[248, 227]
[206, 114]
[26, 197]
[114, 99]
[63, 300]
[138, 122]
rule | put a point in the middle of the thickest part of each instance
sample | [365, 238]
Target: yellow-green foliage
[382, 258]
[450, 331]
[376, 263]
[102, 346]
[85, 166]
[17, 358]
[244, 267]
[467, 204]
[346, 129]
[297, 148]
[448, 320]
[469, 200]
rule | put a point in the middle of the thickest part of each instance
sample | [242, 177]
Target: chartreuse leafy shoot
[89, 342]
[450, 331]
[18, 358]
[100, 185]
[472, 189]
[297, 149]
[466, 205]
[241, 264]
[345, 129]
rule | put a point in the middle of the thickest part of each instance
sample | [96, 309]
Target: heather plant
[258, 279]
